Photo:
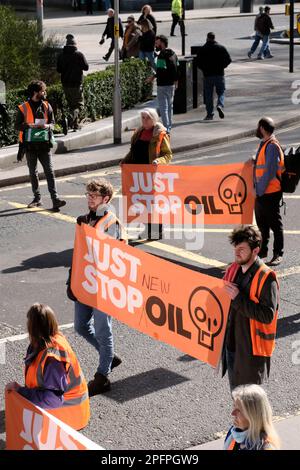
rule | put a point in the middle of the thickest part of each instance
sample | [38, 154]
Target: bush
[98, 95]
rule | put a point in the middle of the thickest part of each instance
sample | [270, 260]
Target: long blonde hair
[257, 410]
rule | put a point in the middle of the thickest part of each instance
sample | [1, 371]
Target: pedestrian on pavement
[109, 32]
[268, 167]
[35, 123]
[176, 9]
[131, 40]
[147, 42]
[89, 7]
[92, 324]
[251, 329]
[147, 14]
[71, 64]
[264, 25]
[53, 377]
[150, 144]
[253, 428]
[212, 59]
[258, 36]
[167, 79]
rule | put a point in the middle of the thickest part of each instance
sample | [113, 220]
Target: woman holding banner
[53, 377]
[150, 144]
[252, 428]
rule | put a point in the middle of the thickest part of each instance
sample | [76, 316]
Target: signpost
[117, 107]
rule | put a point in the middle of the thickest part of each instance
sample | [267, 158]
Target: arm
[272, 159]
[265, 310]
[227, 58]
[55, 384]
[84, 64]
[20, 125]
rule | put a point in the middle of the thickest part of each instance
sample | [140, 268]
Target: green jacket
[159, 146]
[177, 7]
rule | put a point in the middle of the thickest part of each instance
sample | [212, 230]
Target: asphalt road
[160, 399]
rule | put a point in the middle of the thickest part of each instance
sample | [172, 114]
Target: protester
[268, 167]
[167, 79]
[251, 328]
[94, 325]
[149, 145]
[176, 8]
[212, 59]
[147, 42]
[71, 64]
[147, 15]
[131, 39]
[35, 122]
[109, 32]
[252, 428]
[53, 377]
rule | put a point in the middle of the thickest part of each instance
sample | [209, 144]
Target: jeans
[165, 97]
[265, 48]
[44, 156]
[268, 217]
[255, 43]
[96, 327]
[148, 55]
[218, 82]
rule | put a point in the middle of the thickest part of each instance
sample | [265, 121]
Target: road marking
[288, 271]
[44, 212]
[25, 335]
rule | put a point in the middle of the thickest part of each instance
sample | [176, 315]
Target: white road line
[66, 326]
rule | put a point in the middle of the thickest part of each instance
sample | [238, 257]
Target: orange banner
[222, 194]
[168, 302]
[29, 427]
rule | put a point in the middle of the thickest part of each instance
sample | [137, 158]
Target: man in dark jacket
[212, 60]
[251, 328]
[109, 32]
[34, 121]
[264, 25]
[70, 64]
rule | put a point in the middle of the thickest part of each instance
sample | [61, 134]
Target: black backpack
[291, 174]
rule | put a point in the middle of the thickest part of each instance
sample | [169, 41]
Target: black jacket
[70, 64]
[166, 68]
[212, 59]
[109, 28]
[147, 41]
[264, 24]
[151, 19]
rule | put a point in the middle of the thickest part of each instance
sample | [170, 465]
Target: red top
[146, 135]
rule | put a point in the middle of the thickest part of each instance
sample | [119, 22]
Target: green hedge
[98, 95]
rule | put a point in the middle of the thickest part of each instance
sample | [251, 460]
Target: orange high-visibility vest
[262, 334]
[109, 219]
[159, 142]
[25, 108]
[261, 168]
[75, 410]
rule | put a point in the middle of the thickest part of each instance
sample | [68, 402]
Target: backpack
[291, 175]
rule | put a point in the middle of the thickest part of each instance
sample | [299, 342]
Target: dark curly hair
[246, 233]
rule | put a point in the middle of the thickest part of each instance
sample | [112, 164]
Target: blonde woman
[147, 14]
[252, 428]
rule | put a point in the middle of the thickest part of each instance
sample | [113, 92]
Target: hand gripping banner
[173, 194]
[178, 306]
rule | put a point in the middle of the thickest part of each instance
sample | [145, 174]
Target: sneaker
[221, 112]
[249, 55]
[259, 57]
[208, 118]
[116, 361]
[269, 56]
[105, 58]
[100, 384]
[57, 203]
[275, 261]
[35, 203]
[174, 35]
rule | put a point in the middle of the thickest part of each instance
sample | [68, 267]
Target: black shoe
[174, 35]
[35, 203]
[275, 261]
[208, 118]
[263, 254]
[115, 362]
[105, 58]
[100, 384]
[57, 203]
[221, 112]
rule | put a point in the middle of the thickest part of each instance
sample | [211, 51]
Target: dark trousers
[89, 7]
[176, 20]
[44, 156]
[74, 97]
[111, 48]
[267, 214]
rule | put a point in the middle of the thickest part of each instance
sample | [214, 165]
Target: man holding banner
[94, 325]
[252, 321]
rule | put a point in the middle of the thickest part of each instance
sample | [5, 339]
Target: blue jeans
[148, 55]
[255, 43]
[265, 48]
[96, 327]
[165, 97]
[218, 82]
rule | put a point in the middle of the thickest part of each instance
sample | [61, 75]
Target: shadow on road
[2, 421]
[143, 384]
[46, 260]
[288, 326]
